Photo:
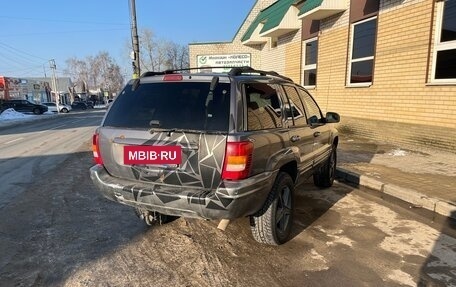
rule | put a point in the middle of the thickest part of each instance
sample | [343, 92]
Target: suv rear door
[169, 113]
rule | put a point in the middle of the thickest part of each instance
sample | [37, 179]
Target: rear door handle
[316, 134]
[295, 138]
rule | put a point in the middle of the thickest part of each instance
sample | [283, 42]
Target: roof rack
[148, 74]
[237, 71]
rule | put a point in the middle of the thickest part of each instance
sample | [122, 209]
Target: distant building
[64, 88]
[24, 88]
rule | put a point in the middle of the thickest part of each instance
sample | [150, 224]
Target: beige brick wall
[401, 105]
[293, 59]
[400, 95]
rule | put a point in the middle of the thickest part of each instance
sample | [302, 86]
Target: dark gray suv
[24, 106]
[214, 146]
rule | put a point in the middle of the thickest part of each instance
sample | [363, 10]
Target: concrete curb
[410, 196]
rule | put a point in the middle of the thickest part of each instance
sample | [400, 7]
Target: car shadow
[439, 269]
[312, 203]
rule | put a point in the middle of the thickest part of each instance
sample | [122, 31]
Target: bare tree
[176, 56]
[148, 49]
[78, 72]
[158, 54]
[98, 72]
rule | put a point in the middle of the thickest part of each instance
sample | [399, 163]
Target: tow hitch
[151, 217]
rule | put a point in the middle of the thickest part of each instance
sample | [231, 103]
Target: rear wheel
[272, 224]
[325, 176]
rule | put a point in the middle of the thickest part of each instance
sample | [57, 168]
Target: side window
[294, 109]
[313, 111]
[264, 109]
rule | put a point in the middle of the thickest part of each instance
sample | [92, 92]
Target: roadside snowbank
[11, 114]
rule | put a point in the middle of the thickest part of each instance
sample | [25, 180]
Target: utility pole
[54, 83]
[135, 41]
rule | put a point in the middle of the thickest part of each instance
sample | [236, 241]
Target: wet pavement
[421, 176]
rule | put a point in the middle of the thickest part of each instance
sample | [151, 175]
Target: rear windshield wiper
[171, 131]
[168, 131]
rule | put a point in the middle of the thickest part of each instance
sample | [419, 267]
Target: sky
[34, 32]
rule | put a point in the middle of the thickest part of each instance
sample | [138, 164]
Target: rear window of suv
[175, 105]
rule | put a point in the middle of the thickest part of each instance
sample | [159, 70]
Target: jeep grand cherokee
[214, 146]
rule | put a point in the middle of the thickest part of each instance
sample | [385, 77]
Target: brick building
[387, 66]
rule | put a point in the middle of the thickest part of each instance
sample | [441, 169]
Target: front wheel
[36, 111]
[272, 224]
[325, 176]
[64, 110]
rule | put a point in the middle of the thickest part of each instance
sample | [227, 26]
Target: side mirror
[332, 117]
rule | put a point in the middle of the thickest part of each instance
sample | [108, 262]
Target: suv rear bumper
[232, 199]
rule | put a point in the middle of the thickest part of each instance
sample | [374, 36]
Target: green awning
[276, 14]
[309, 5]
[270, 17]
[260, 18]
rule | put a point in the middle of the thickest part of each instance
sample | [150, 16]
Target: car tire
[37, 111]
[64, 110]
[325, 175]
[272, 223]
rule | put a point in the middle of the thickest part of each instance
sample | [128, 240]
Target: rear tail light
[96, 149]
[238, 160]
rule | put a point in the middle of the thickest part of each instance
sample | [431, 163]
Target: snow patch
[11, 114]
[402, 278]
[398, 152]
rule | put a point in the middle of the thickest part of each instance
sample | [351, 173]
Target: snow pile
[398, 152]
[11, 114]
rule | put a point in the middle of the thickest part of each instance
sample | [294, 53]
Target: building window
[445, 49]
[310, 51]
[362, 52]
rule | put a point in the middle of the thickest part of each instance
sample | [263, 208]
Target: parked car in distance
[79, 106]
[64, 108]
[24, 106]
[89, 104]
[214, 146]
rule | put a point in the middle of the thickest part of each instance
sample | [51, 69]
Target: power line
[63, 21]
[61, 32]
[19, 52]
